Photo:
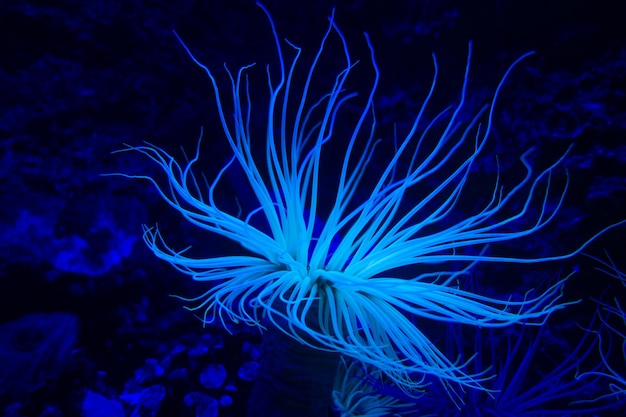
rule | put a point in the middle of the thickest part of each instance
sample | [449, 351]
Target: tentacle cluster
[345, 275]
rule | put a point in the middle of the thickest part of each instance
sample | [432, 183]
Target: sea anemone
[353, 283]
[613, 330]
[360, 391]
[536, 373]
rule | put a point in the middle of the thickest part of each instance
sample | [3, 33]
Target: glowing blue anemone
[613, 318]
[360, 392]
[517, 389]
[353, 285]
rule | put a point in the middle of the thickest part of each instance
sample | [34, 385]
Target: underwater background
[87, 322]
